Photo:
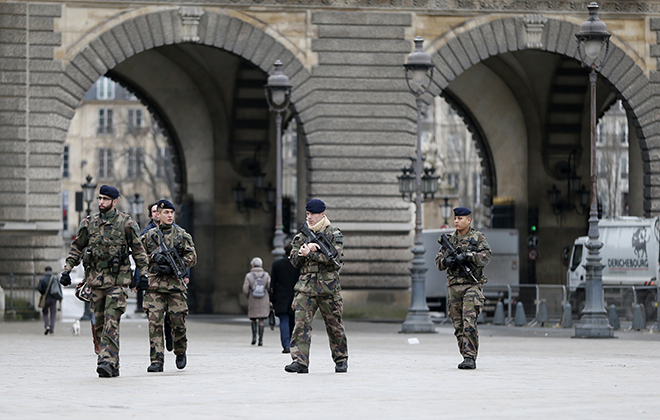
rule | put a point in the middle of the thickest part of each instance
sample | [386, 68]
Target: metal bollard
[613, 317]
[567, 317]
[542, 313]
[639, 315]
[520, 319]
[498, 319]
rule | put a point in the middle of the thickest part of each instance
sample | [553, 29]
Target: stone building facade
[511, 66]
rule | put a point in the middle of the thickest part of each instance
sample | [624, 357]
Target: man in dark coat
[283, 278]
[50, 307]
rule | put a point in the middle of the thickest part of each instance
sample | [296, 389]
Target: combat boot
[468, 363]
[296, 367]
[341, 367]
[181, 361]
[155, 367]
[254, 332]
[105, 370]
[261, 335]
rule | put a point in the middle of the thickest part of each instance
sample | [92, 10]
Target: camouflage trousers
[331, 307]
[465, 303]
[108, 306]
[176, 304]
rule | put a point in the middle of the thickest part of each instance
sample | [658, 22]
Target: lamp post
[419, 74]
[278, 96]
[89, 190]
[88, 193]
[591, 39]
[445, 209]
[136, 206]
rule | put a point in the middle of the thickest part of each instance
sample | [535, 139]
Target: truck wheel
[649, 306]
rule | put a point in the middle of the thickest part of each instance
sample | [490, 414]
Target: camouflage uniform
[167, 292]
[317, 288]
[102, 242]
[465, 296]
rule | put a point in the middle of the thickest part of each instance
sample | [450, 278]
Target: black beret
[164, 204]
[462, 211]
[109, 191]
[315, 206]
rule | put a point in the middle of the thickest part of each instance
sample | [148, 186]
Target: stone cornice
[450, 6]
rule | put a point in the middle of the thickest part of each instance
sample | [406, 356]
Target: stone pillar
[33, 124]
[635, 175]
[360, 130]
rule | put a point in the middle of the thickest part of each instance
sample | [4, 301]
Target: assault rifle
[325, 246]
[444, 241]
[173, 258]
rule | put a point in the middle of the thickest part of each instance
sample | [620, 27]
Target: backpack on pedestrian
[259, 288]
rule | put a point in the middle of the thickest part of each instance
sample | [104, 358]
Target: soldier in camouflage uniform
[465, 296]
[103, 241]
[317, 288]
[166, 292]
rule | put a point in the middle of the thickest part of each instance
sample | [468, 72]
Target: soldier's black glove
[449, 262]
[65, 278]
[461, 258]
[164, 269]
[143, 283]
[160, 259]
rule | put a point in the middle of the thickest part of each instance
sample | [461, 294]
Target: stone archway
[490, 54]
[486, 37]
[186, 71]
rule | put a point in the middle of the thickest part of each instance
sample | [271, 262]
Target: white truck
[502, 270]
[629, 256]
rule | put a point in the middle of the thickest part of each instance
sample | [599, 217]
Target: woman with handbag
[51, 293]
[255, 287]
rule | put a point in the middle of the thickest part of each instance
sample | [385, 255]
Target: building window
[624, 167]
[454, 179]
[66, 161]
[476, 187]
[134, 119]
[161, 162]
[105, 163]
[65, 210]
[623, 129]
[600, 134]
[106, 121]
[105, 89]
[134, 158]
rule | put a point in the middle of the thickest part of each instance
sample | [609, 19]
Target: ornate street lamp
[419, 74]
[278, 96]
[88, 193]
[445, 209]
[593, 41]
[136, 206]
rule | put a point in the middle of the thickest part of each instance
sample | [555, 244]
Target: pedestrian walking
[49, 299]
[256, 286]
[284, 277]
[318, 288]
[104, 241]
[165, 292]
[466, 296]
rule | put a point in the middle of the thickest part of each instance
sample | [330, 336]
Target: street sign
[532, 241]
[533, 254]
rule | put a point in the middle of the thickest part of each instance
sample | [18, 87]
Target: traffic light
[533, 220]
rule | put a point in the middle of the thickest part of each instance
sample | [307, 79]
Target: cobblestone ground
[523, 373]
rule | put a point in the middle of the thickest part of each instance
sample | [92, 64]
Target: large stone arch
[150, 36]
[460, 49]
[142, 30]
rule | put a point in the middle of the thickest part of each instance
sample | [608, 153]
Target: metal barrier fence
[20, 292]
[554, 297]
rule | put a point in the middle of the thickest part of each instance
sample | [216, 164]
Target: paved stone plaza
[523, 373]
